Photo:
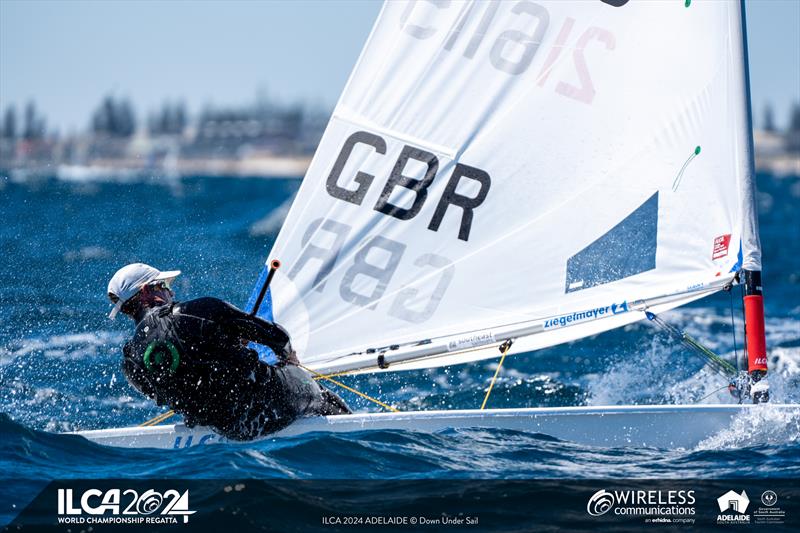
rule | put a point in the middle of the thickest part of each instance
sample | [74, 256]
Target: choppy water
[59, 355]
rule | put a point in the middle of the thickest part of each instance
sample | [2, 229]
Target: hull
[658, 426]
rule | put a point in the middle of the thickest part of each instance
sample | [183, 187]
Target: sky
[66, 55]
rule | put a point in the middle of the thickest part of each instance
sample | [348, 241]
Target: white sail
[541, 171]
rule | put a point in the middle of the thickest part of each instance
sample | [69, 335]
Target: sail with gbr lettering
[534, 171]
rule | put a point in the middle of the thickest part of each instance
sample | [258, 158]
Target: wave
[271, 224]
[35, 454]
[765, 426]
[87, 253]
[68, 347]
[467, 453]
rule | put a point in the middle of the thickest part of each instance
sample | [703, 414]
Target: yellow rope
[157, 419]
[332, 375]
[496, 372]
[163, 416]
[370, 398]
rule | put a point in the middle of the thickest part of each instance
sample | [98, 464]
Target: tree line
[113, 117]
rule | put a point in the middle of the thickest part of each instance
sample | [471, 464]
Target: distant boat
[96, 173]
[508, 176]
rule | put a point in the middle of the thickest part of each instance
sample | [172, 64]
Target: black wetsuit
[192, 356]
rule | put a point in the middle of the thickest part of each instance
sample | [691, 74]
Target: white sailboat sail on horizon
[519, 175]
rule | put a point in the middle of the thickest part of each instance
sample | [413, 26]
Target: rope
[505, 347]
[713, 393]
[716, 362]
[354, 391]
[163, 416]
[157, 419]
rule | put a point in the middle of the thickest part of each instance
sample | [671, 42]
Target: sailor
[193, 356]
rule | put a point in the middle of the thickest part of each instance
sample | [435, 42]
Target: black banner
[459, 505]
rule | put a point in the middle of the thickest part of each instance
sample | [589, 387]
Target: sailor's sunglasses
[159, 285]
[156, 285]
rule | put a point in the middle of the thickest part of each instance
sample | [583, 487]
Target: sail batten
[511, 162]
[365, 124]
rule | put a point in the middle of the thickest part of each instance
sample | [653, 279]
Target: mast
[751, 249]
[755, 335]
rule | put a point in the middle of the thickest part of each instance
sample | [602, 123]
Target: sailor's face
[157, 293]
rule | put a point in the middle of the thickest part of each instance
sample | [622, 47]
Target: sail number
[367, 276]
[461, 173]
[522, 45]
[376, 261]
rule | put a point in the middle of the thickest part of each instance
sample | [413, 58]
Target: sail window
[627, 249]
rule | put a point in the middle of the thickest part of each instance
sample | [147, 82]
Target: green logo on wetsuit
[160, 355]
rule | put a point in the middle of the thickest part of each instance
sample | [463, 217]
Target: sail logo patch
[472, 341]
[721, 245]
[591, 314]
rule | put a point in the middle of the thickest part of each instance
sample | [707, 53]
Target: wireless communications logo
[654, 506]
[116, 506]
[600, 502]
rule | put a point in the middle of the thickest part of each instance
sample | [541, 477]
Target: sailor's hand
[291, 358]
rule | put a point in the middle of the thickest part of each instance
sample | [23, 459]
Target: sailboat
[501, 177]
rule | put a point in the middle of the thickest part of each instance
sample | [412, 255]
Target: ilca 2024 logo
[116, 506]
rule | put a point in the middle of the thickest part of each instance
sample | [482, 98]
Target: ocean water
[59, 355]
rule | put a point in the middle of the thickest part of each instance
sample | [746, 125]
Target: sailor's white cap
[130, 279]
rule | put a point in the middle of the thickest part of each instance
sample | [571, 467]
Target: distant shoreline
[780, 166]
[132, 170]
[778, 163]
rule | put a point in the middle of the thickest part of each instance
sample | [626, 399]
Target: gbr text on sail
[403, 192]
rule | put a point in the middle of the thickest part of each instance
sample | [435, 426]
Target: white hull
[659, 426]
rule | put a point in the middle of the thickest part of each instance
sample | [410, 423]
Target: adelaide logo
[734, 502]
[733, 508]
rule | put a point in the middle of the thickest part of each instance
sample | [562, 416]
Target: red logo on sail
[721, 244]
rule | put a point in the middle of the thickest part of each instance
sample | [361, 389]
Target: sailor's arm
[258, 330]
[267, 333]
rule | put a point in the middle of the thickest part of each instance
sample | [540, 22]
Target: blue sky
[66, 55]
